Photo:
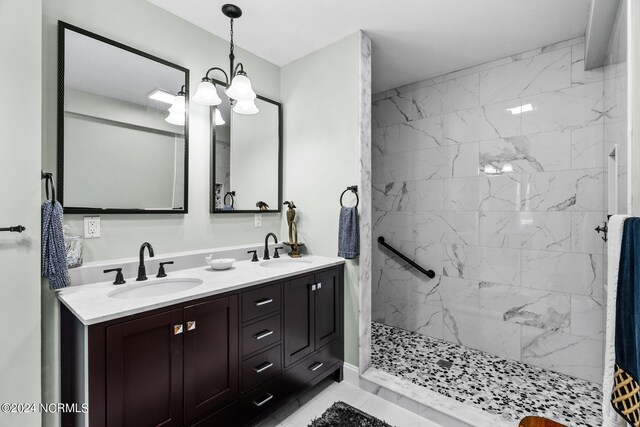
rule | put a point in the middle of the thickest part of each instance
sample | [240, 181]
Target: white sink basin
[154, 288]
[284, 263]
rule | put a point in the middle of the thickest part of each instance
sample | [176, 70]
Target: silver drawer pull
[263, 401]
[316, 366]
[263, 334]
[191, 325]
[177, 329]
[264, 302]
[263, 368]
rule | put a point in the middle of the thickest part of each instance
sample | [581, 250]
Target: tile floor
[500, 386]
[300, 412]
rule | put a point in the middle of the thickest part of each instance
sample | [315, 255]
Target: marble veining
[495, 178]
[364, 262]
[506, 388]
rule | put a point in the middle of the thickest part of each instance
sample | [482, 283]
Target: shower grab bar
[429, 273]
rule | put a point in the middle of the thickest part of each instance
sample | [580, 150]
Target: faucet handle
[275, 252]
[255, 256]
[119, 277]
[161, 272]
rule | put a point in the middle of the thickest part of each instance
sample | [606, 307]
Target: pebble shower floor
[500, 386]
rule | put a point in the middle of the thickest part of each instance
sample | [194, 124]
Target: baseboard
[351, 374]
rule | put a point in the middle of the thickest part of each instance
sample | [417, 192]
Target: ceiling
[412, 39]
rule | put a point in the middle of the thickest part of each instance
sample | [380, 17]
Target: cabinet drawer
[260, 334]
[312, 366]
[261, 367]
[261, 302]
[262, 399]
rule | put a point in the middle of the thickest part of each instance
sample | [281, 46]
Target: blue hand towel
[626, 389]
[54, 255]
[348, 233]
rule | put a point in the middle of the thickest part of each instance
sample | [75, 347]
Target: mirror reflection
[246, 157]
[125, 139]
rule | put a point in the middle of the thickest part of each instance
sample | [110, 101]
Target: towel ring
[230, 193]
[354, 190]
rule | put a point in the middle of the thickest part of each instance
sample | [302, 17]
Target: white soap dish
[220, 263]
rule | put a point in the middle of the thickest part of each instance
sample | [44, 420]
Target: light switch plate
[257, 220]
[91, 227]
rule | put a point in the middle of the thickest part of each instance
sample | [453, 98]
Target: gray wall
[141, 25]
[20, 81]
[322, 156]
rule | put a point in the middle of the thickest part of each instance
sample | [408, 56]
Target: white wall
[634, 104]
[20, 81]
[321, 155]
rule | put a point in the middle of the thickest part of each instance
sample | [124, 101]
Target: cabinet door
[326, 298]
[298, 319]
[144, 372]
[210, 356]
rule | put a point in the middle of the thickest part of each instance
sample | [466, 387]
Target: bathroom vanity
[226, 349]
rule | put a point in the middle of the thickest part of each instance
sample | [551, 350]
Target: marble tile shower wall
[501, 202]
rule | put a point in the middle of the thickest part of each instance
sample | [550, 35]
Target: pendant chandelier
[240, 93]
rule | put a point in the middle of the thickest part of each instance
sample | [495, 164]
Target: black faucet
[266, 245]
[142, 271]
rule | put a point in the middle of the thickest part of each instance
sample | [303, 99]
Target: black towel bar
[430, 273]
[14, 229]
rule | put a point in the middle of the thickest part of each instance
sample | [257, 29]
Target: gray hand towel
[54, 255]
[348, 233]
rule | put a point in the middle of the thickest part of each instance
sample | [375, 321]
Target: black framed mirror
[246, 157]
[123, 128]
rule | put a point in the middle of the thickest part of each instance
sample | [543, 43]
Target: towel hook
[354, 190]
[48, 177]
[232, 194]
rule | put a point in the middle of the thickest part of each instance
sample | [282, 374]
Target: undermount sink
[284, 263]
[155, 288]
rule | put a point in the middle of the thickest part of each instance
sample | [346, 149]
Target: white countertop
[92, 304]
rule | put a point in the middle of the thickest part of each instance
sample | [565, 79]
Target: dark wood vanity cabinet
[210, 356]
[144, 372]
[171, 368]
[312, 316]
[225, 360]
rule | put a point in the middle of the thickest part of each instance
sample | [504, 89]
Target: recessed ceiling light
[162, 96]
[521, 109]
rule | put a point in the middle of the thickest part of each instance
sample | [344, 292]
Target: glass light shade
[177, 111]
[241, 89]
[219, 121]
[246, 107]
[175, 119]
[206, 94]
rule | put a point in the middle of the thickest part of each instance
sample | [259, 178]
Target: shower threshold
[460, 386]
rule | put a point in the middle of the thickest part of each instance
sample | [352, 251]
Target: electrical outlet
[91, 227]
[257, 220]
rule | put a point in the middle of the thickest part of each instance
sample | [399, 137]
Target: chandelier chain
[232, 45]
